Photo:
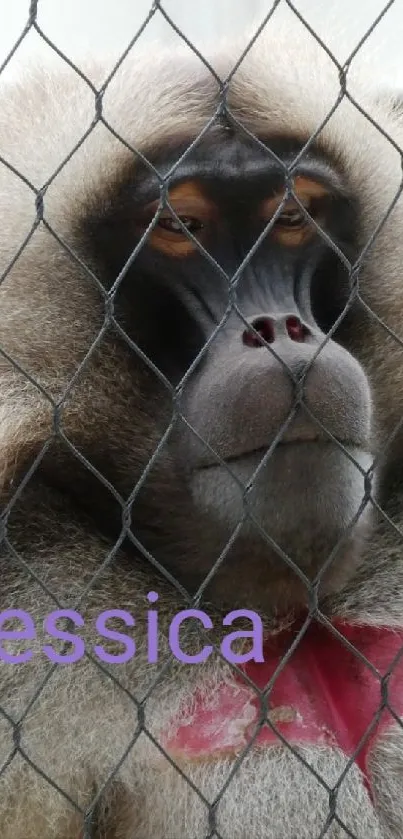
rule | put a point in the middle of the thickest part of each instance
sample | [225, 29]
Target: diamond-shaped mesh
[56, 405]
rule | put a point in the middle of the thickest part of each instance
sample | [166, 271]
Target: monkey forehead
[156, 98]
[227, 160]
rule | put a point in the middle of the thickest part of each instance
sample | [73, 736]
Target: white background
[82, 26]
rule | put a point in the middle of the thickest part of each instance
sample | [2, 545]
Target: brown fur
[84, 725]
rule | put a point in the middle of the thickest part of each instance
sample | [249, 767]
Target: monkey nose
[267, 329]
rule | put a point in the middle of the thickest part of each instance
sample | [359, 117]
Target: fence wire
[176, 392]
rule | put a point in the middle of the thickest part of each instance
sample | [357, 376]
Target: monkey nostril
[296, 330]
[265, 329]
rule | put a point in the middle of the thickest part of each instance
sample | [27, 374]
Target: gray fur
[79, 728]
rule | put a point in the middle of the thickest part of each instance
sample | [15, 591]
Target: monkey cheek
[307, 498]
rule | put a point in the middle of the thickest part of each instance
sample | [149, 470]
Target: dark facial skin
[276, 286]
[226, 194]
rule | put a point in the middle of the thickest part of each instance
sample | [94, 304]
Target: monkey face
[237, 294]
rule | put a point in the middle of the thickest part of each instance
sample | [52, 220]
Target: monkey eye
[293, 217]
[292, 227]
[170, 224]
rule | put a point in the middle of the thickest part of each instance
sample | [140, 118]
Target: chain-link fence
[221, 114]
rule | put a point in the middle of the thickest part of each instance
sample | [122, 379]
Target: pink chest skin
[325, 694]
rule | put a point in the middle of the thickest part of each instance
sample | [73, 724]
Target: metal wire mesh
[176, 392]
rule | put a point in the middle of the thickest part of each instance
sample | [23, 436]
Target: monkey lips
[333, 692]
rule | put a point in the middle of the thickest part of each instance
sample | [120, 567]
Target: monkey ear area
[325, 694]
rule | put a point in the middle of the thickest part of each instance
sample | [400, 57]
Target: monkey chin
[306, 501]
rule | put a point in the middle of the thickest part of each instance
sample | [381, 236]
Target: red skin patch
[325, 694]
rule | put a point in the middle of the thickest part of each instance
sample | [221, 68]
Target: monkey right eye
[172, 225]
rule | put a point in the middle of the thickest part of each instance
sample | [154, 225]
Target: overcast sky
[80, 26]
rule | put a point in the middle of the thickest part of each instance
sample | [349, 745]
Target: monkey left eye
[170, 224]
[292, 227]
[291, 218]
